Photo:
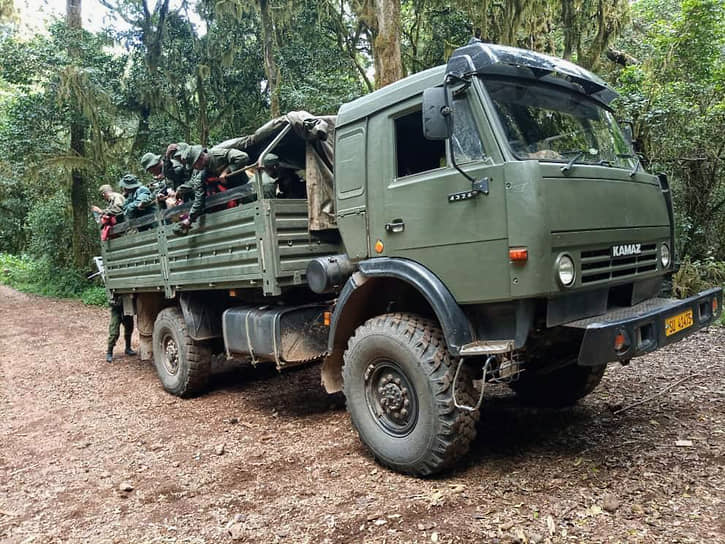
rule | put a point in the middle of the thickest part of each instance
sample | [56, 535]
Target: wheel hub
[391, 398]
[171, 355]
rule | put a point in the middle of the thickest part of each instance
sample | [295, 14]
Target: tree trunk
[203, 113]
[271, 69]
[388, 62]
[79, 189]
[143, 130]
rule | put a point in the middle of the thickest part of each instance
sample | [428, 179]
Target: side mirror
[437, 118]
[628, 131]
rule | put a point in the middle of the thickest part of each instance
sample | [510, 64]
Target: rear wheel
[561, 387]
[398, 384]
[182, 363]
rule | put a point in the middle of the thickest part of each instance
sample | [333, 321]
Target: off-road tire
[562, 387]
[188, 374]
[412, 349]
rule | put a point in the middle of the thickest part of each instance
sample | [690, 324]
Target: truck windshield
[553, 124]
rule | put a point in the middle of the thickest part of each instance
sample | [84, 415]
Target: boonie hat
[149, 160]
[129, 181]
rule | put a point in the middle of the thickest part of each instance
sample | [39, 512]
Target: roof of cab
[478, 57]
[481, 58]
[389, 95]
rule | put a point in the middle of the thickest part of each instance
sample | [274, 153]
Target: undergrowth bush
[94, 296]
[41, 277]
[695, 276]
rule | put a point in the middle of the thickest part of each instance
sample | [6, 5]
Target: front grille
[599, 265]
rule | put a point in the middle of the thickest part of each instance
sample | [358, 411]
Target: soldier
[214, 163]
[289, 184]
[166, 167]
[114, 202]
[178, 153]
[114, 330]
[139, 200]
[112, 214]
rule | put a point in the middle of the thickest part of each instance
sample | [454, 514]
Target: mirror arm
[479, 186]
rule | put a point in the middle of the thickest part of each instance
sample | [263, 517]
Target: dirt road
[271, 458]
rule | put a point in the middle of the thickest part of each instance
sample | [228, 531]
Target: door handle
[396, 225]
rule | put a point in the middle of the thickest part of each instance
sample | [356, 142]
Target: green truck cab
[487, 221]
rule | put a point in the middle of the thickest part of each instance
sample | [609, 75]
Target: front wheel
[561, 387]
[183, 364]
[398, 383]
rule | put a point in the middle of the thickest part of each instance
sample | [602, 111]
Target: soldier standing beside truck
[114, 330]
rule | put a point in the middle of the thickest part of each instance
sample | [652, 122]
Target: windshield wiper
[631, 156]
[579, 155]
[636, 166]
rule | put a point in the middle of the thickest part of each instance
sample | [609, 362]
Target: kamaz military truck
[487, 221]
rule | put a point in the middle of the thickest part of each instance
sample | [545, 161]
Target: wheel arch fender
[357, 303]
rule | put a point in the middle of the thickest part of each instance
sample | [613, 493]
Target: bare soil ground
[265, 457]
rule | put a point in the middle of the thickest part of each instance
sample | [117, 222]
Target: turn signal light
[619, 341]
[379, 246]
[518, 254]
[326, 317]
[714, 306]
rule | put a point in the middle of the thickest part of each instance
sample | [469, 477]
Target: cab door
[426, 216]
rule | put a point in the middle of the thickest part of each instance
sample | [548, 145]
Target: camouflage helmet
[270, 160]
[129, 181]
[192, 154]
[103, 189]
[149, 160]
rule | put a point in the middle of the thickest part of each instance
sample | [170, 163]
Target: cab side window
[466, 142]
[413, 152]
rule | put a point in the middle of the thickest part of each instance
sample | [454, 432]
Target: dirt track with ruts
[268, 457]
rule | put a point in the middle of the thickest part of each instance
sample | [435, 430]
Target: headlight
[665, 255]
[565, 270]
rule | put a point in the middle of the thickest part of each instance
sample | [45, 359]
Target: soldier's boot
[129, 351]
[109, 356]
[145, 347]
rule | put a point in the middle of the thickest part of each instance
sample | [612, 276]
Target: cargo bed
[262, 244]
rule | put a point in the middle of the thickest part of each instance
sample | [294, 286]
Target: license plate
[678, 323]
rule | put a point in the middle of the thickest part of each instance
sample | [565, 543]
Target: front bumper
[643, 327]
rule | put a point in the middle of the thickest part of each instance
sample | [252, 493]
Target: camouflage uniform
[114, 202]
[218, 161]
[114, 330]
[172, 170]
[175, 172]
[139, 199]
[289, 184]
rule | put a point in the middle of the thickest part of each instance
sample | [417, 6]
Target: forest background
[79, 108]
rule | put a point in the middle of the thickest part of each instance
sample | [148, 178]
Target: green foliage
[41, 277]
[13, 209]
[49, 228]
[676, 96]
[694, 276]
[94, 296]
